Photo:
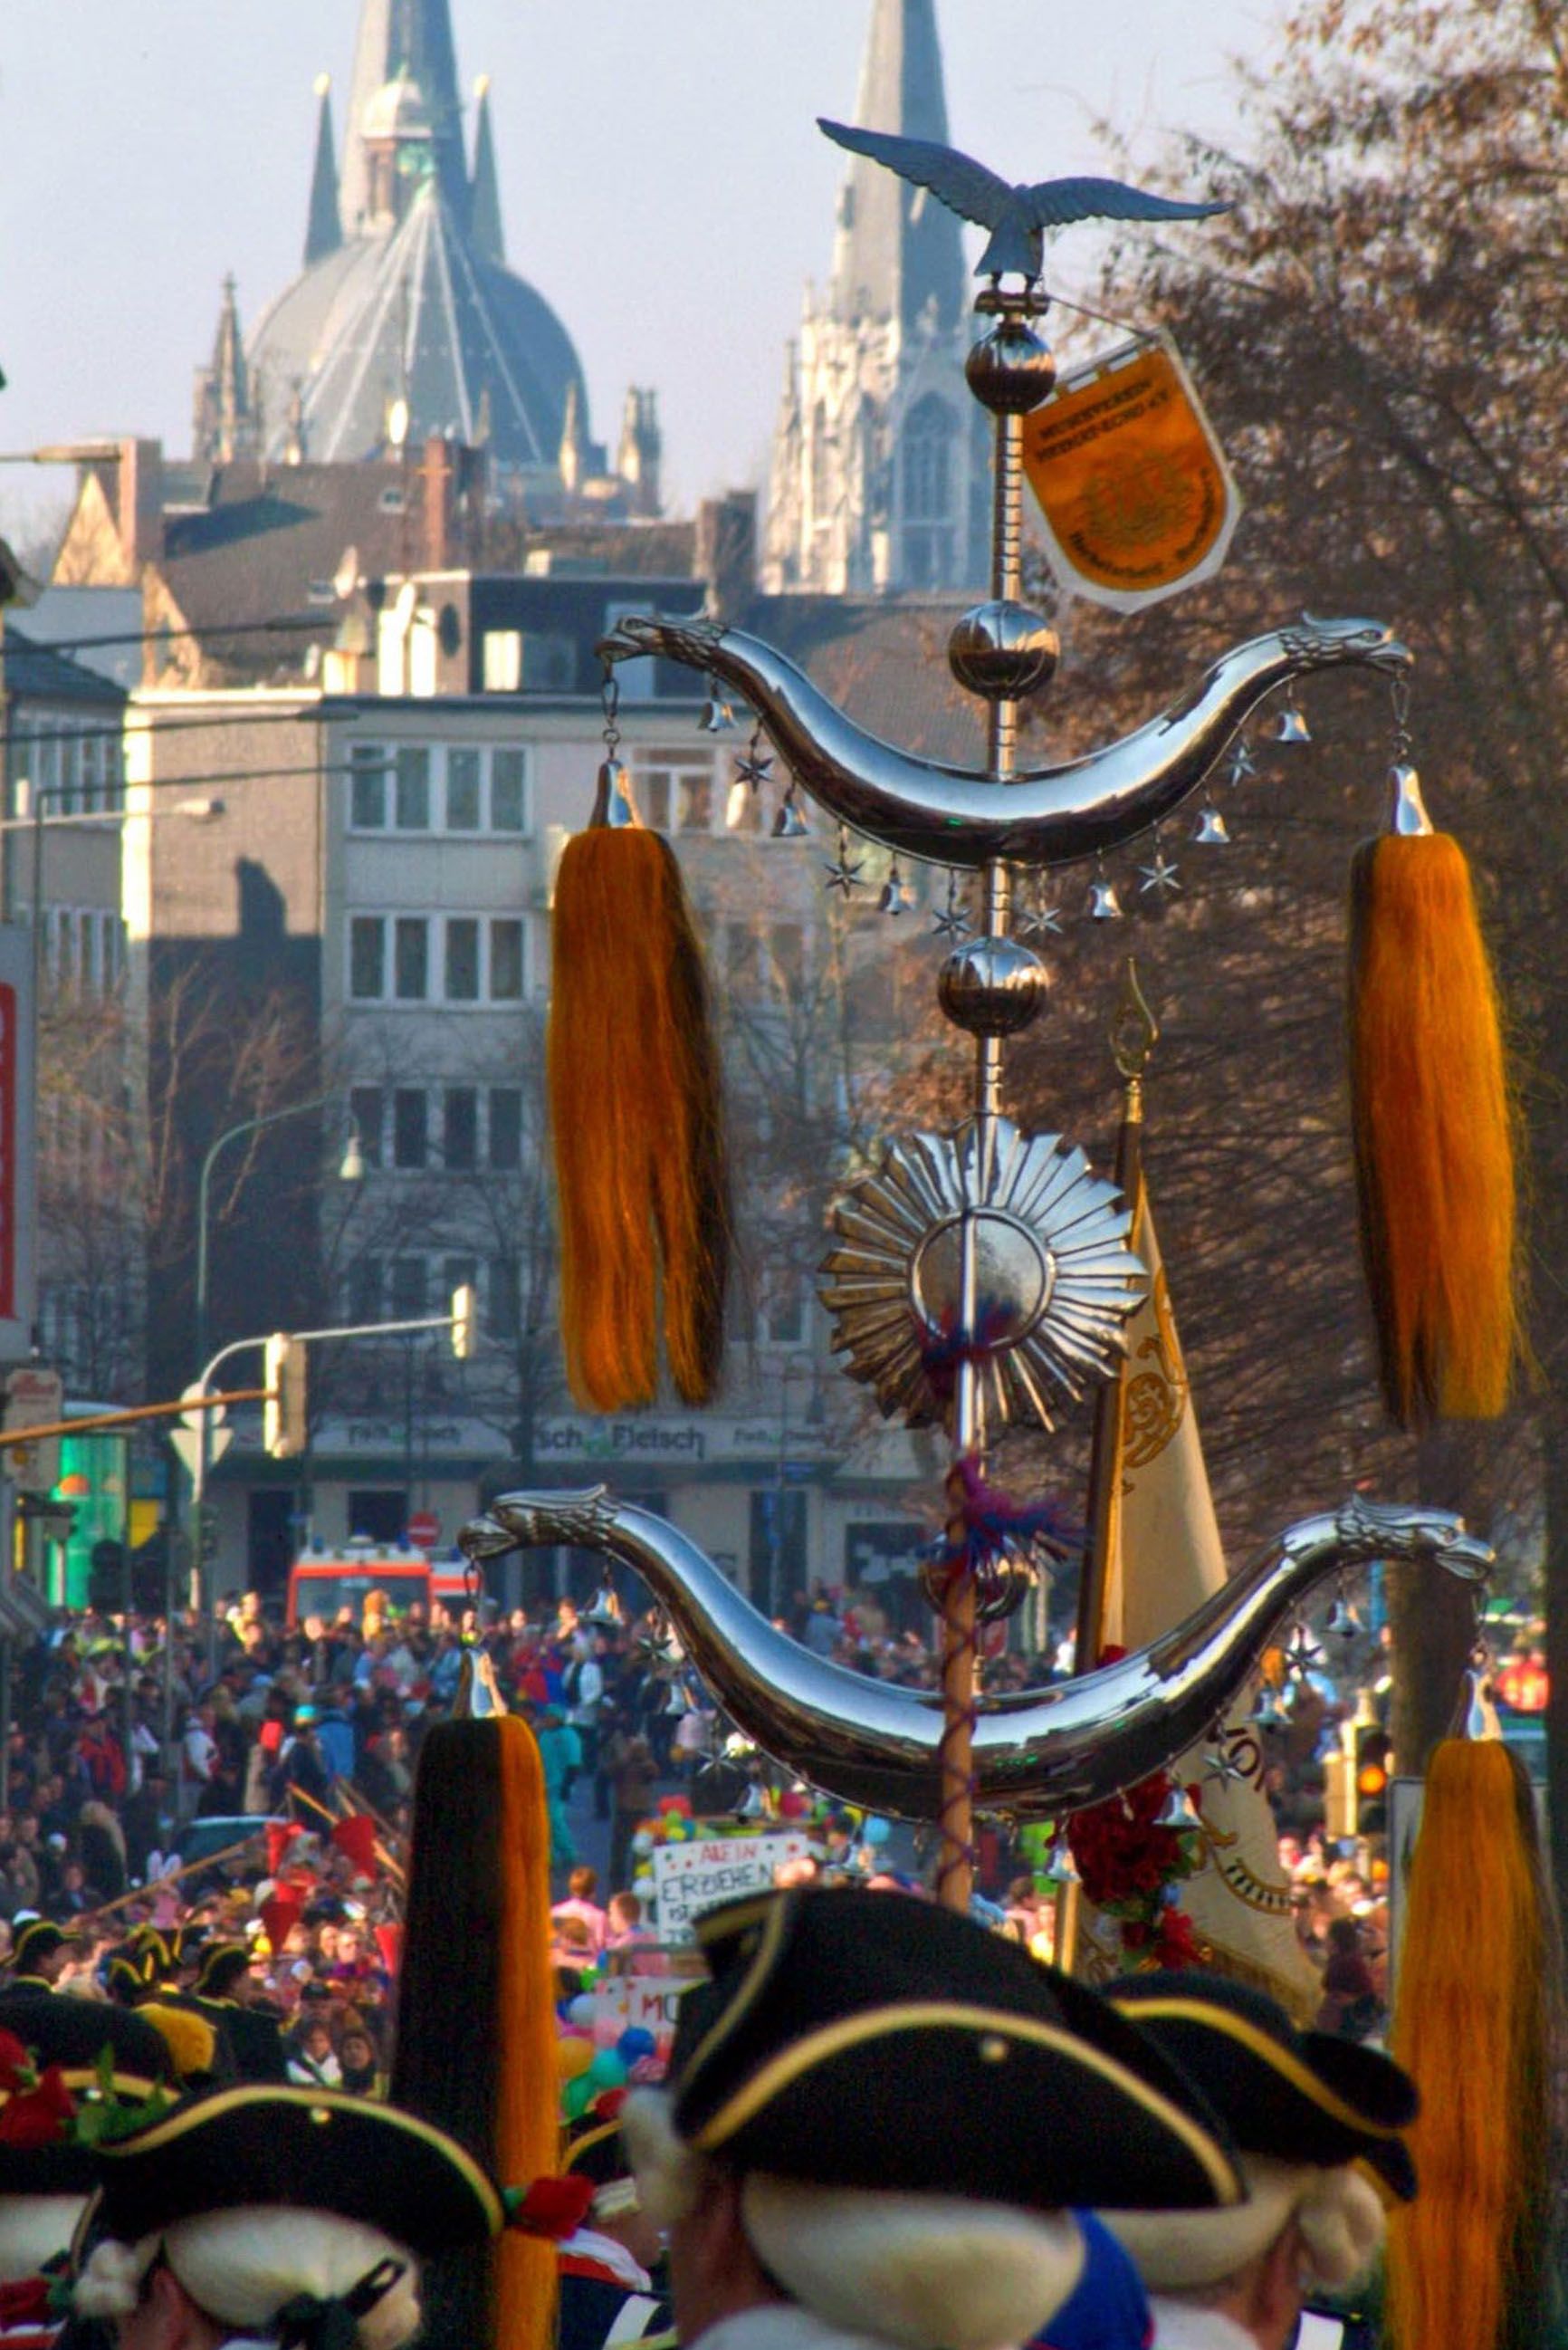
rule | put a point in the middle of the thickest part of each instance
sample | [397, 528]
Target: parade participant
[287, 2216]
[876, 2115]
[79, 2057]
[40, 1953]
[607, 2294]
[224, 1993]
[1312, 2114]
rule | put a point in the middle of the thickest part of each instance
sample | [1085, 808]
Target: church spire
[224, 425]
[898, 255]
[395, 35]
[323, 230]
[484, 230]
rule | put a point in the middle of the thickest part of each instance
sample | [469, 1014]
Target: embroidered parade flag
[1132, 484]
[1164, 1558]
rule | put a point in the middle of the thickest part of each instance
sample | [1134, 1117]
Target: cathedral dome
[413, 312]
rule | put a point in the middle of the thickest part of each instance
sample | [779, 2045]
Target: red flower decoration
[556, 2208]
[40, 2116]
[15, 2064]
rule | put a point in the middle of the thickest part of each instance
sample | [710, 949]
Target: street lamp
[351, 1169]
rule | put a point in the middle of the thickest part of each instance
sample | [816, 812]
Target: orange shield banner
[1136, 497]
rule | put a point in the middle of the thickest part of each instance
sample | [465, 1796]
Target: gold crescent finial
[1135, 1031]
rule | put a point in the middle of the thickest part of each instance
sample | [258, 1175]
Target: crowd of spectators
[124, 1757]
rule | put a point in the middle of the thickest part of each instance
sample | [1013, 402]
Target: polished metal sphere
[1011, 369]
[991, 986]
[1002, 649]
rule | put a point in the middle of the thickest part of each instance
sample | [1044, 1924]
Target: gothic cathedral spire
[878, 475]
[897, 254]
[322, 230]
[484, 231]
[396, 35]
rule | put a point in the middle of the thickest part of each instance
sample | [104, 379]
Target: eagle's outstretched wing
[1056, 203]
[957, 180]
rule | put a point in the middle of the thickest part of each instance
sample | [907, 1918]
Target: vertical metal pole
[955, 1874]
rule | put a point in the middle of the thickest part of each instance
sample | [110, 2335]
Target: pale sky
[664, 183]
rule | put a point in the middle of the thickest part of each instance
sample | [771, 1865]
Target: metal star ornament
[1243, 767]
[845, 872]
[1042, 922]
[1303, 1653]
[754, 766]
[1222, 1769]
[1161, 879]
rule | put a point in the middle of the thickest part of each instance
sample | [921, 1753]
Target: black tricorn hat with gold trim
[858, 2039]
[41, 1938]
[307, 2149]
[1299, 2096]
[112, 2062]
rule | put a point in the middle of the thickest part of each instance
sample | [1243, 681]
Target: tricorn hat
[41, 1938]
[1295, 2097]
[62, 2059]
[306, 2150]
[838, 2023]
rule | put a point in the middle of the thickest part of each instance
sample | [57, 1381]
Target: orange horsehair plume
[635, 1116]
[1433, 1126]
[1472, 2026]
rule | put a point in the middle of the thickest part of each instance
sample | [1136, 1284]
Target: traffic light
[1371, 1779]
[465, 1320]
[285, 1416]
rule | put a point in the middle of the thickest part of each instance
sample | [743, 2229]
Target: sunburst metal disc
[1056, 1279]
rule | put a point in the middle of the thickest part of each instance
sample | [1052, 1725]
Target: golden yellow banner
[1136, 497]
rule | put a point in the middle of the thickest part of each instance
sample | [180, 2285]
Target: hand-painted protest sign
[692, 1876]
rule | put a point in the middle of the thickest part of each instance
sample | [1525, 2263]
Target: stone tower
[879, 471]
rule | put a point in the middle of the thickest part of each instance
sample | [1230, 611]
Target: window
[740, 941]
[113, 775]
[506, 961]
[787, 943]
[458, 1273]
[927, 437]
[503, 659]
[411, 1127]
[413, 789]
[502, 1314]
[90, 772]
[364, 1289]
[412, 959]
[785, 1315]
[459, 1129]
[463, 791]
[636, 678]
[674, 790]
[694, 801]
[406, 1290]
[367, 787]
[506, 1125]
[365, 1107]
[461, 960]
[367, 958]
[506, 791]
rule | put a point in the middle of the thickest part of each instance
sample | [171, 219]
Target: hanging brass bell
[1290, 726]
[1102, 904]
[789, 824]
[1211, 831]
